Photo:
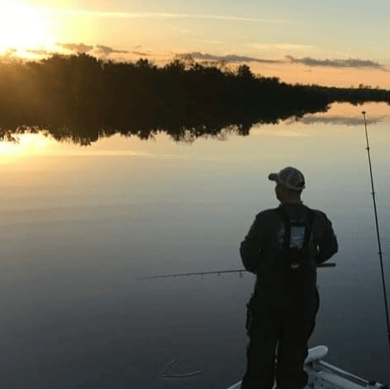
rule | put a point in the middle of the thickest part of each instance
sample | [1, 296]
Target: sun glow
[26, 146]
[21, 27]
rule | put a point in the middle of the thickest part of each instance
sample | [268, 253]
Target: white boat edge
[323, 375]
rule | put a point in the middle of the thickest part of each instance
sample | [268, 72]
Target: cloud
[100, 50]
[9, 52]
[105, 50]
[162, 15]
[138, 53]
[349, 63]
[40, 52]
[8, 56]
[78, 48]
[228, 58]
[336, 120]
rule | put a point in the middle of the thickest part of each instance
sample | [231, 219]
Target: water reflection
[78, 225]
[342, 116]
[347, 115]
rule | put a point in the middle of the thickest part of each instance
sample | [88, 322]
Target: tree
[244, 71]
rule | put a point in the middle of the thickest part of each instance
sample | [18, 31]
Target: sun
[22, 27]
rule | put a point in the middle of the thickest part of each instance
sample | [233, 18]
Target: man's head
[290, 183]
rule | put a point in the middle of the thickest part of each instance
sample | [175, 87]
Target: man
[283, 247]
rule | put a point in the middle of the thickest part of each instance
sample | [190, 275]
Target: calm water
[78, 225]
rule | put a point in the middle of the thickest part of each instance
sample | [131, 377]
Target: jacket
[262, 249]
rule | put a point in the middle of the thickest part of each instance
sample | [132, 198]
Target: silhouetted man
[283, 247]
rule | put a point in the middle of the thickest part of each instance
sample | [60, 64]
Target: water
[78, 225]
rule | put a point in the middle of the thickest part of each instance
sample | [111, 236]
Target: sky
[335, 43]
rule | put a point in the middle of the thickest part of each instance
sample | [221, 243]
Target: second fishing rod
[377, 230]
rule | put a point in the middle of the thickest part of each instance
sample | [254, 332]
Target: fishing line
[377, 230]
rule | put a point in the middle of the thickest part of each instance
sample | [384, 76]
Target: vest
[299, 266]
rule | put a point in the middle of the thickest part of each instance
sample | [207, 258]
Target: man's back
[266, 235]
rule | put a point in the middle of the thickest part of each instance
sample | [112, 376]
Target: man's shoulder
[273, 212]
[267, 213]
[321, 222]
[319, 214]
[265, 220]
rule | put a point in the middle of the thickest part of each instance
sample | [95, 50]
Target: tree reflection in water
[82, 99]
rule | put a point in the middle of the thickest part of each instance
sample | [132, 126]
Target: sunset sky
[340, 43]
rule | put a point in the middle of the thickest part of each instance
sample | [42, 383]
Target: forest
[81, 98]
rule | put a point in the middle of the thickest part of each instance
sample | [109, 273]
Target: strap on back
[309, 228]
[287, 226]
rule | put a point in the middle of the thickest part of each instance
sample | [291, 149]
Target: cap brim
[273, 176]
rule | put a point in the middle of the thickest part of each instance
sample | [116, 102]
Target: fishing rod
[377, 230]
[239, 271]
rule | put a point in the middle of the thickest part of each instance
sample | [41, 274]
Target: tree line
[82, 98]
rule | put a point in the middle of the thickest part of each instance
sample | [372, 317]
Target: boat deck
[323, 375]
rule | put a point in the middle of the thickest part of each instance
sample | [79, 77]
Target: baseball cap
[290, 177]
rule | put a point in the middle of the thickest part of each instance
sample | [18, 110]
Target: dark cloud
[349, 63]
[76, 47]
[105, 50]
[140, 54]
[338, 120]
[228, 58]
[40, 52]
[100, 50]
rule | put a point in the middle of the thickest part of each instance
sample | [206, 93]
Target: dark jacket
[263, 246]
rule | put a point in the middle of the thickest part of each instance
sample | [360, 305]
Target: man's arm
[250, 247]
[328, 245]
